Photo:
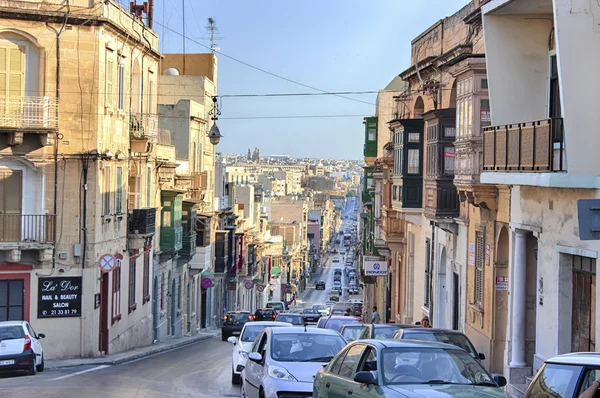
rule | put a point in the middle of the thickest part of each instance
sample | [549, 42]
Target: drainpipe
[431, 273]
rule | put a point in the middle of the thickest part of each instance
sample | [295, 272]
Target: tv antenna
[212, 29]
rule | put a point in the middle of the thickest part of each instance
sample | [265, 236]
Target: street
[198, 370]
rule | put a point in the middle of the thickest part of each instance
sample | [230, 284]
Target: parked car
[279, 306]
[382, 330]
[233, 322]
[336, 259]
[566, 376]
[351, 331]
[371, 368]
[311, 315]
[243, 343]
[294, 319]
[20, 348]
[320, 285]
[285, 360]
[447, 336]
[264, 314]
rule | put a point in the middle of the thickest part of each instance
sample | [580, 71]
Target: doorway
[10, 205]
[12, 300]
[441, 292]
[103, 335]
[583, 320]
[501, 301]
[455, 300]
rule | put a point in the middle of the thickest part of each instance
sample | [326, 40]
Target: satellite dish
[172, 72]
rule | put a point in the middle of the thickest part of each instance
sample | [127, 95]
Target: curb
[129, 358]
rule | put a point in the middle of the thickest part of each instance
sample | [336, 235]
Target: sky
[331, 45]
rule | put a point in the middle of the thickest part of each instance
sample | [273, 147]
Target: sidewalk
[136, 353]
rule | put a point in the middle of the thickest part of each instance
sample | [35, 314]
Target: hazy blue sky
[334, 45]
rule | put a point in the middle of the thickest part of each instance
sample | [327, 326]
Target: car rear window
[336, 324]
[11, 332]
[238, 317]
[275, 306]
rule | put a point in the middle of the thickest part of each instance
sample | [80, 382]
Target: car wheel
[235, 378]
[242, 390]
[261, 393]
[40, 367]
[33, 367]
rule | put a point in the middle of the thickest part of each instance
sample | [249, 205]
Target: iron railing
[143, 126]
[29, 113]
[536, 146]
[21, 228]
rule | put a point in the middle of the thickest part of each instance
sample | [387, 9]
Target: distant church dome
[172, 72]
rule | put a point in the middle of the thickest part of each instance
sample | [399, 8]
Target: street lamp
[214, 135]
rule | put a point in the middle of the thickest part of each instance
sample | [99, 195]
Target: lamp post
[214, 135]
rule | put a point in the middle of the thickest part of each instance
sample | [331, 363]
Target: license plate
[235, 333]
[9, 362]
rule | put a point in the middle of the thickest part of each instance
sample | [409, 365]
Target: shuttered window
[110, 76]
[149, 186]
[427, 289]
[479, 252]
[121, 86]
[119, 191]
[12, 71]
[106, 192]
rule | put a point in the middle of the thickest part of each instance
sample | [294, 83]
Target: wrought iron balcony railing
[28, 113]
[526, 147]
[27, 228]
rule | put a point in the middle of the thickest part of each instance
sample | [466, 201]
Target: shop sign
[502, 283]
[375, 266]
[59, 297]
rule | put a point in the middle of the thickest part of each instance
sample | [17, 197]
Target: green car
[412, 369]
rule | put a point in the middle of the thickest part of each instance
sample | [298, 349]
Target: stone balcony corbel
[479, 195]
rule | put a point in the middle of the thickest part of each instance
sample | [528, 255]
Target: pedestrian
[375, 318]
[348, 312]
[425, 322]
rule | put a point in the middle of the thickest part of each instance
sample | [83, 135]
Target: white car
[244, 342]
[284, 361]
[336, 259]
[20, 348]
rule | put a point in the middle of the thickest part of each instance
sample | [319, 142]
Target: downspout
[431, 273]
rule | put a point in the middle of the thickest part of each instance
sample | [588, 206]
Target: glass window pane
[413, 161]
[413, 137]
[371, 135]
[449, 156]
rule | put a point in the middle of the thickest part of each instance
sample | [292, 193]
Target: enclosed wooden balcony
[526, 147]
[393, 229]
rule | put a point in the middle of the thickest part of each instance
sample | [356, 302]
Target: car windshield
[385, 332]
[11, 332]
[309, 311]
[351, 333]
[252, 331]
[336, 324]
[455, 339]
[556, 380]
[421, 365]
[305, 347]
[275, 306]
[236, 317]
[293, 319]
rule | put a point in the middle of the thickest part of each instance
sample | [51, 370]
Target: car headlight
[243, 354]
[280, 373]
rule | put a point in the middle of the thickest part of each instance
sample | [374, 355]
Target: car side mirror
[41, 336]
[255, 357]
[481, 356]
[500, 380]
[365, 378]
[232, 340]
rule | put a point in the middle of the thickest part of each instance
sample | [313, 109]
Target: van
[278, 306]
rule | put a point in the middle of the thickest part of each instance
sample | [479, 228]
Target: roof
[342, 317]
[434, 330]
[239, 312]
[267, 323]
[11, 323]
[577, 358]
[302, 329]
[389, 343]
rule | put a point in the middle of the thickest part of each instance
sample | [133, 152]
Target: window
[427, 289]
[132, 266]
[12, 62]
[151, 94]
[179, 295]
[119, 191]
[369, 362]
[395, 192]
[162, 292]
[369, 182]
[348, 368]
[413, 161]
[554, 106]
[149, 186]
[449, 156]
[110, 66]
[106, 191]
[146, 283]
[414, 137]
[337, 363]
[371, 134]
[449, 132]
[116, 292]
[484, 84]
[121, 86]
[479, 252]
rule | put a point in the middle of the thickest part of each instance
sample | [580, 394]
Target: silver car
[286, 360]
[242, 345]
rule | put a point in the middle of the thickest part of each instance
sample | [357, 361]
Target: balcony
[527, 147]
[171, 239]
[199, 185]
[203, 258]
[27, 228]
[37, 115]
[393, 229]
[188, 246]
[143, 126]
[141, 227]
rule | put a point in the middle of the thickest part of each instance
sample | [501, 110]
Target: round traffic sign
[206, 283]
[260, 288]
[107, 262]
[249, 285]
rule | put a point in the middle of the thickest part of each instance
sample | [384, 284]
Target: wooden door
[103, 335]
[583, 321]
[10, 205]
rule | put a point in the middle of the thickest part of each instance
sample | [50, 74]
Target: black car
[264, 314]
[233, 322]
[320, 285]
[311, 315]
[383, 330]
[453, 337]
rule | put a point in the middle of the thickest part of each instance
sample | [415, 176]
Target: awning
[207, 274]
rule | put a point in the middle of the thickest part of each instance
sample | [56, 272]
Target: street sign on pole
[107, 262]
